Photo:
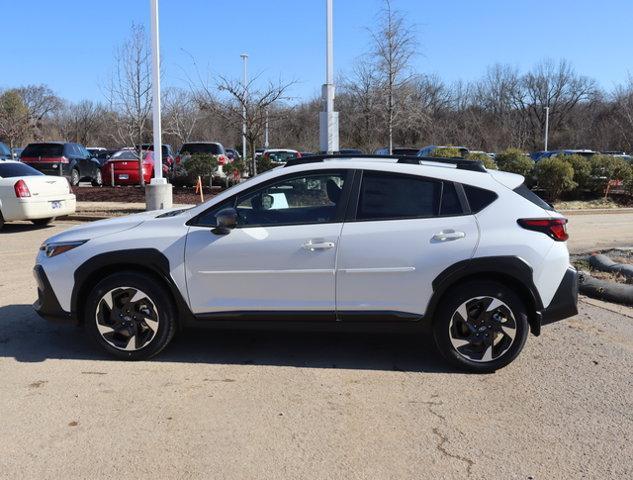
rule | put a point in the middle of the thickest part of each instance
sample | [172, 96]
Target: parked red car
[124, 163]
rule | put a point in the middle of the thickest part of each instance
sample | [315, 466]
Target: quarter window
[390, 197]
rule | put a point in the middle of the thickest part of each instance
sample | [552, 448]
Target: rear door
[405, 230]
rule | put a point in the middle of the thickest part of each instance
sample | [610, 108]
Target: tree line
[382, 100]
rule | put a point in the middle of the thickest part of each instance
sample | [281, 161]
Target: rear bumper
[51, 168]
[33, 208]
[47, 306]
[565, 301]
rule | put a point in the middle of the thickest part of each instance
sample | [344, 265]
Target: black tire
[74, 177]
[159, 304]
[97, 181]
[42, 222]
[483, 327]
[1, 221]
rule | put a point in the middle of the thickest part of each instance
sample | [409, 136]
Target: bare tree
[394, 45]
[246, 103]
[553, 85]
[81, 122]
[180, 113]
[128, 91]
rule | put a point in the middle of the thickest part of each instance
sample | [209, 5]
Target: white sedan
[26, 194]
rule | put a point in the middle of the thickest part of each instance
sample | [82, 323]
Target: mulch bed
[133, 194]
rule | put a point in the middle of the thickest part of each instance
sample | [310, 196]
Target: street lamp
[328, 119]
[244, 83]
[546, 126]
[158, 194]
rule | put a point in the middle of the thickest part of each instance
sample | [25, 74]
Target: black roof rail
[460, 163]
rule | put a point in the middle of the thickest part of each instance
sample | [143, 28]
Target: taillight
[178, 160]
[298, 155]
[556, 228]
[222, 160]
[21, 190]
[63, 160]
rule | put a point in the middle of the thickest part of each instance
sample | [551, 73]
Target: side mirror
[226, 220]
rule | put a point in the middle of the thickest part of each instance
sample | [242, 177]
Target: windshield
[4, 150]
[125, 155]
[211, 148]
[15, 169]
[43, 150]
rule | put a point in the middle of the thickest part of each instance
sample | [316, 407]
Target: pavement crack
[443, 440]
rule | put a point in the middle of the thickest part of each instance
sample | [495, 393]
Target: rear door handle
[448, 235]
[313, 245]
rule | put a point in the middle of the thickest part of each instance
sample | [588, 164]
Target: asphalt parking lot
[250, 405]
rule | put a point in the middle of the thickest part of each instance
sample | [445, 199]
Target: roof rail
[460, 163]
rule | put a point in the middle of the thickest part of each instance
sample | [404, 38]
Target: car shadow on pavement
[27, 338]
[22, 227]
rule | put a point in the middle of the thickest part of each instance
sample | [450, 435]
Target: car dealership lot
[252, 405]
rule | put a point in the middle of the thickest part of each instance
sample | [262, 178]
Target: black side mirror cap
[226, 220]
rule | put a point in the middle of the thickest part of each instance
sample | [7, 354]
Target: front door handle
[313, 245]
[448, 235]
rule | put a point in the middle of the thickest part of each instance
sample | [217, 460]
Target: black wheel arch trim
[503, 267]
[141, 259]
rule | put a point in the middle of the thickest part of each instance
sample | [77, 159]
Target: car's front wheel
[130, 315]
[481, 326]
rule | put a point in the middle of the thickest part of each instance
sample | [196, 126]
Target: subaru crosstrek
[326, 242]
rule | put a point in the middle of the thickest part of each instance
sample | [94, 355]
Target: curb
[597, 211]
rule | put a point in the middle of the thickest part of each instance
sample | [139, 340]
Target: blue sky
[68, 44]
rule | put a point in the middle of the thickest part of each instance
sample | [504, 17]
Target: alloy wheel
[127, 318]
[482, 329]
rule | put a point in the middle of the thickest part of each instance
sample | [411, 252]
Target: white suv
[326, 242]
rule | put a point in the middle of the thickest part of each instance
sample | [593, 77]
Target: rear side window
[11, 170]
[528, 194]
[43, 150]
[210, 148]
[391, 197]
[478, 198]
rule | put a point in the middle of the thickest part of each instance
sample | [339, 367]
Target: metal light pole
[328, 119]
[158, 194]
[266, 132]
[546, 126]
[244, 83]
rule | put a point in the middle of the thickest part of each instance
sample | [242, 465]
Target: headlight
[55, 248]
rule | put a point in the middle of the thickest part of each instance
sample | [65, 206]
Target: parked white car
[326, 242]
[27, 194]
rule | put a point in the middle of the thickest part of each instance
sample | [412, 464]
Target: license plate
[57, 204]
[124, 176]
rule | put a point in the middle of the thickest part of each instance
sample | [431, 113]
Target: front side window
[386, 196]
[306, 199]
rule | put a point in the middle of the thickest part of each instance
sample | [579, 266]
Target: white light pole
[158, 194]
[244, 83]
[546, 126]
[266, 132]
[328, 119]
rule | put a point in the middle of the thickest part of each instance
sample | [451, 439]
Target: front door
[281, 257]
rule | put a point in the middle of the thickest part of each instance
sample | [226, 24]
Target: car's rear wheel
[1, 221]
[42, 222]
[130, 315]
[74, 177]
[97, 181]
[481, 326]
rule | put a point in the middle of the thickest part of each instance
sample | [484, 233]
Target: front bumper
[565, 301]
[47, 306]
